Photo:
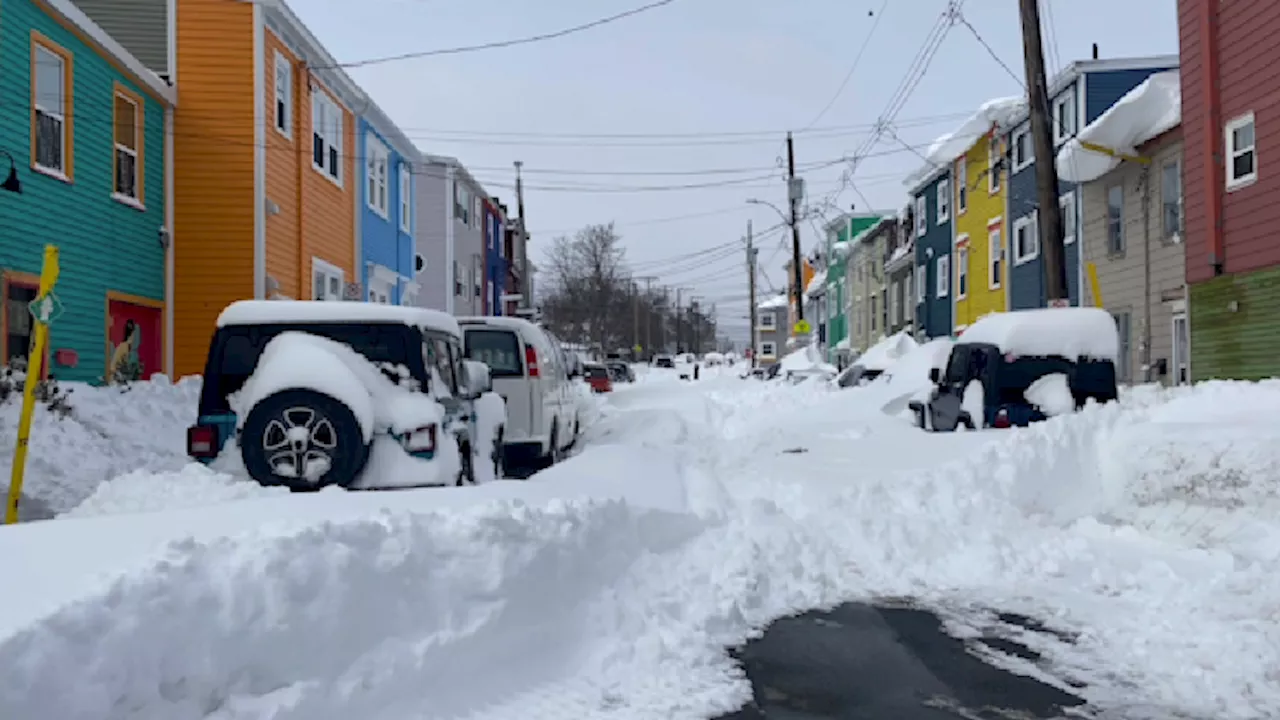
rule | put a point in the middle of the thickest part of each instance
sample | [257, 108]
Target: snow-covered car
[358, 395]
[1015, 368]
[664, 361]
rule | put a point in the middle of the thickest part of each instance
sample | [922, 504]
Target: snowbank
[998, 112]
[1073, 332]
[1145, 112]
[908, 378]
[888, 351]
[805, 358]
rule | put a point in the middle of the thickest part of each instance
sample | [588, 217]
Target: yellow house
[980, 256]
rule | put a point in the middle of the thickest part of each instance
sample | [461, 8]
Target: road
[860, 662]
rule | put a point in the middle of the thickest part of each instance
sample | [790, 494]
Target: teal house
[83, 131]
[838, 233]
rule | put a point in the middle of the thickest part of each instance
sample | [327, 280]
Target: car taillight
[1002, 420]
[531, 360]
[202, 441]
[421, 440]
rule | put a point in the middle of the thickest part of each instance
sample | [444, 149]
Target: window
[768, 321]
[1026, 239]
[962, 271]
[284, 95]
[1067, 205]
[461, 203]
[326, 135]
[944, 201]
[1181, 350]
[376, 158]
[1115, 219]
[768, 349]
[52, 115]
[1242, 156]
[1021, 148]
[995, 261]
[995, 164]
[439, 363]
[380, 294]
[944, 275]
[457, 278]
[922, 222]
[1064, 116]
[895, 303]
[477, 276]
[921, 282]
[874, 314]
[326, 280]
[406, 197]
[1122, 328]
[127, 115]
[1171, 199]
[962, 186]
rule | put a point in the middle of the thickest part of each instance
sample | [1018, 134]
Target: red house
[1231, 129]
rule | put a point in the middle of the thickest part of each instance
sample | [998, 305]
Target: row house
[452, 226]
[868, 287]
[88, 132]
[899, 274]
[931, 211]
[841, 235]
[771, 330]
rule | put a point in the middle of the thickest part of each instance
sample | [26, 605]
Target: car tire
[553, 451]
[333, 433]
[499, 455]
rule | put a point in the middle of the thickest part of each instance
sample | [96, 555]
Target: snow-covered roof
[1152, 108]
[1073, 333]
[817, 284]
[998, 112]
[266, 312]
[777, 301]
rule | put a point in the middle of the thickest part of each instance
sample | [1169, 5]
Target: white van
[532, 375]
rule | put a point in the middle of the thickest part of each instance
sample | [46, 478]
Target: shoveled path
[860, 662]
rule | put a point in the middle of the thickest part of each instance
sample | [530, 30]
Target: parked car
[620, 371]
[598, 378]
[310, 391]
[857, 375]
[531, 372]
[664, 361]
[995, 375]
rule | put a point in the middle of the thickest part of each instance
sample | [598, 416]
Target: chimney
[1095, 51]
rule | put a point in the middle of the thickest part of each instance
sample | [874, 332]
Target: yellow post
[35, 362]
[1093, 284]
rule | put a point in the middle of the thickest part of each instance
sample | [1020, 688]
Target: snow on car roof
[1073, 332]
[265, 312]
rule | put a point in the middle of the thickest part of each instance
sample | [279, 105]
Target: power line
[506, 43]
[857, 58]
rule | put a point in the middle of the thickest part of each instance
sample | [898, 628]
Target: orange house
[807, 271]
[266, 186]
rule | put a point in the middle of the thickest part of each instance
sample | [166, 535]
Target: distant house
[387, 210]
[932, 214]
[1130, 177]
[450, 235]
[899, 273]
[868, 309]
[839, 233]
[771, 330]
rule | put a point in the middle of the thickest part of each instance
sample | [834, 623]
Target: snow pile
[908, 378]
[805, 359]
[109, 431]
[888, 351]
[999, 112]
[1051, 394]
[1073, 332]
[191, 486]
[1145, 112]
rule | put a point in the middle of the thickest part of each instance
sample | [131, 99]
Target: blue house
[495, 263]
[1078, 95]
[386, 216]
[932, 223]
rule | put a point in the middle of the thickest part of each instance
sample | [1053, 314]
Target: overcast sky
[705, 90]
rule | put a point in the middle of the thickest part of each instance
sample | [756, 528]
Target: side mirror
[479, 380]
[935, 375]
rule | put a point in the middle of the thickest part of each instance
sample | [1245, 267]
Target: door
[134, 348]
[17, 318]
[1181, 350]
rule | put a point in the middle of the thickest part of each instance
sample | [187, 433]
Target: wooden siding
[984, 207]
[141, 26]
[327, 213]
[1233, 326]
[287, 159]
[1196, 176]
[933, 316]
[214, 202]
[1120, 275]
[105, 245]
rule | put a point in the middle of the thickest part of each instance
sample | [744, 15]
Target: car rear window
[499, 349]
[597, 372]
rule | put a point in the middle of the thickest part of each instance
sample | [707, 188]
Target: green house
[83, 130]
[838, 233]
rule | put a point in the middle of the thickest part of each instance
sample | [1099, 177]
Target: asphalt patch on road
[866, 662]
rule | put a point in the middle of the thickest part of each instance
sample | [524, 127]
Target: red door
[133, 337]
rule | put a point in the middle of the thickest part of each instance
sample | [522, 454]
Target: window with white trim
[995, 260]
[944, 275]
[377, 157]
[944, 201]
[380, 295]
[1115, 219]
[962, 186]
[768, 349]
[921, 282]
[127, 158]
[327, 123]
[1026, 241]
[458, 279]
[768, 321]
[1067, 206]
[462, 203]
[406, 198]
[1242, 151]
[922, 222]
[1064, 116]
[51, 86]
[327, 280]
[994, 165]
[477, 275]
[284, 95]
[962, 272]
[1171, 199]
[1020, 148]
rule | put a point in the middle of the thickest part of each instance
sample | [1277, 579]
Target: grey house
[868, 292]
[1132, 223]
[899, 272]
[450, 237]
[771, 330]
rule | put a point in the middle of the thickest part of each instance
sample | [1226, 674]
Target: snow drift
[1145, 112]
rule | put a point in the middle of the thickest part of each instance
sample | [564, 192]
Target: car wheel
[303, 440]
[499, 455]
[466, 473]
[553, 453]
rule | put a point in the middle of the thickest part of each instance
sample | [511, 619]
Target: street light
[11, 183]
[797, 272]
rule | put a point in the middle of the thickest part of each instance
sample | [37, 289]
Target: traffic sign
[45, 309]
[803, 327]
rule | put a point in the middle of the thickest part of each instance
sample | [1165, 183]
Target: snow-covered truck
[358, 395]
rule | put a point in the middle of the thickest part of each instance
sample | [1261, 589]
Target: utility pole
[693, 326]
[662, 318]
[526, 298]
[751, 289]
[1050, 214]
[793, 197]
[635, 319]
[648, 315]
[676, 315]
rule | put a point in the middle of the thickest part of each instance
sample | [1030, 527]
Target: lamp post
[11, 183]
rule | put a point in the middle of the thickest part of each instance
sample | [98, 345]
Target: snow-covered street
[1141, 537]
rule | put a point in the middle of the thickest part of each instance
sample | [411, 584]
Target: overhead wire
[857, 58]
